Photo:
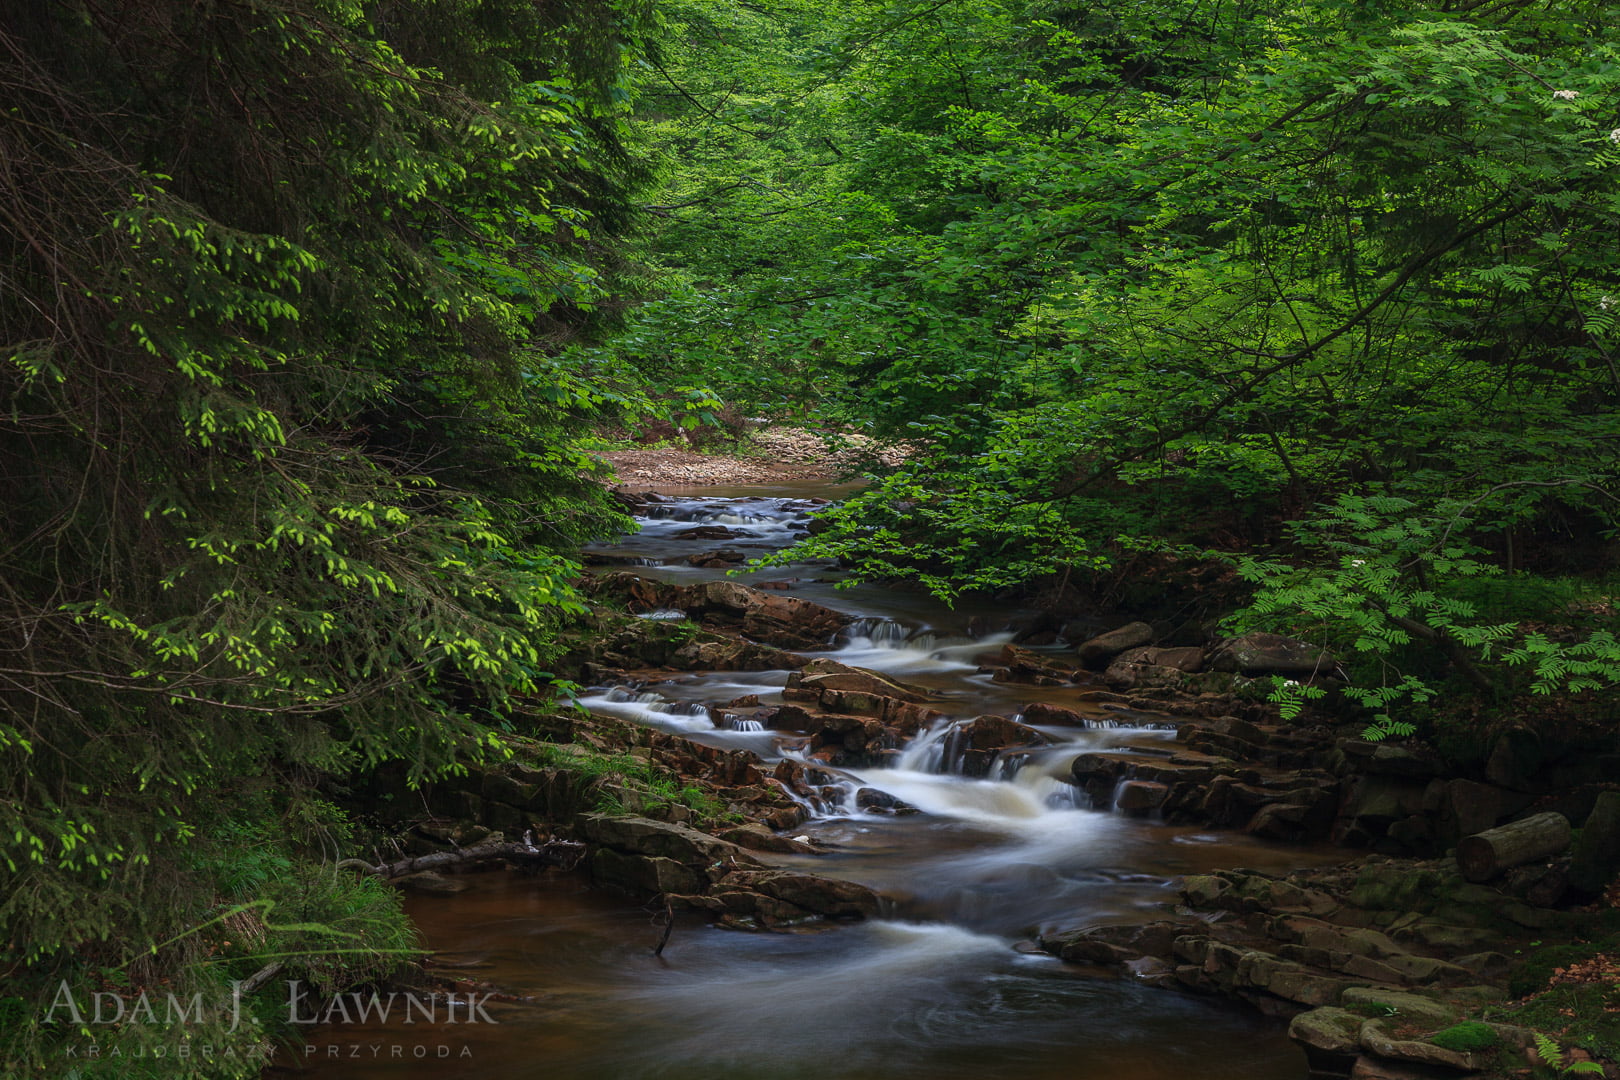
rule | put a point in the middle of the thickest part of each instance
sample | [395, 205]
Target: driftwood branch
[669, 925]
[525, 853]
[264, 974]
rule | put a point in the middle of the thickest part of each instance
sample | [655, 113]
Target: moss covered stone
[1468, 1037]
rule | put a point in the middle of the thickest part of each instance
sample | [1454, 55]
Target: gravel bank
[769, 455]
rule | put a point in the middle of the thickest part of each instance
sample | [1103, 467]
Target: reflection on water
[939, 989]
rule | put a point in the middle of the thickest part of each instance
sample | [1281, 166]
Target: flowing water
[944, 986]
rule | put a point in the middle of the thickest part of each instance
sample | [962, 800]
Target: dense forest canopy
[310, 305]
[1326, 289]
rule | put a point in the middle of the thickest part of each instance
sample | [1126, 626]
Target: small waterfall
[935, 750]
[632, 694]
[1113, 797]
[1097, 724]
[836, 791]
[663, 615]
[875, 633]
[739, 724]
[890, 646]
[647, 707]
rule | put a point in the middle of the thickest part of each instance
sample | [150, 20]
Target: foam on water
[886, 646]
[645, 707]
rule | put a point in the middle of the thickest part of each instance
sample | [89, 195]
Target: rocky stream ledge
[1379, 962]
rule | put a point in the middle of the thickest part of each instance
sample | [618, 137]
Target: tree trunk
[1485, 855]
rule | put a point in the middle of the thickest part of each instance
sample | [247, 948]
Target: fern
[1554, 1056]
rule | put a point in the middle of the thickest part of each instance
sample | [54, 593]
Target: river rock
[825, 674]
[808, 893]
[1096, 652]
[1187, 659]
[1259, 653]
[1596, 860]
[710, 532]
[1376, 1038]
[1114, 944]
[1410, 1008]
[1143, 677]
[768, 617]
[658, 839]
[1140, 796]
[1371, 804]
[645, 873]
[1329, 1033]
[1467, 807]
[1406, 762]
[785, 621]
[718, 558]
[1041, 712]
[759, 837]
[977, 743]
[1515, 758]
[1014, 664]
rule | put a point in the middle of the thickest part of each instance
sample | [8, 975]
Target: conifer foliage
[286, 469]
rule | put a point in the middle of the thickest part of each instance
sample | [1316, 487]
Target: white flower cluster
[1614, 136]
[1566, 95]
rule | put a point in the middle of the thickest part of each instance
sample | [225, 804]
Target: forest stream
[946, 985]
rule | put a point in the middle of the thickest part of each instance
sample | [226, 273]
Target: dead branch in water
[564, 854]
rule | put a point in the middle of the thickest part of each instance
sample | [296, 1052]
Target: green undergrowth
[258, 895]
[1570, 992]
[1534, 972]
[1585, 1015]
[627, 782]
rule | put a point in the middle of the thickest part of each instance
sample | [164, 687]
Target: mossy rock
[1468, 1037]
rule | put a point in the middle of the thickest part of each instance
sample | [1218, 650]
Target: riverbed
[946, 985]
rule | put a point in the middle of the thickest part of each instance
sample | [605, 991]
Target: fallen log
[564, 854]
[1485, 855]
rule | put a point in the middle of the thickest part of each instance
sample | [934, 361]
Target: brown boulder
[1040, 712]
[982, 738]
[825, 674]
[645, 873]
[1140, 796]
[657, 839]
[1018, 665]
[785, 621]
[758, 837]
[1096, 652]
[1596, 861]
[1259, 653]
[810, 893]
